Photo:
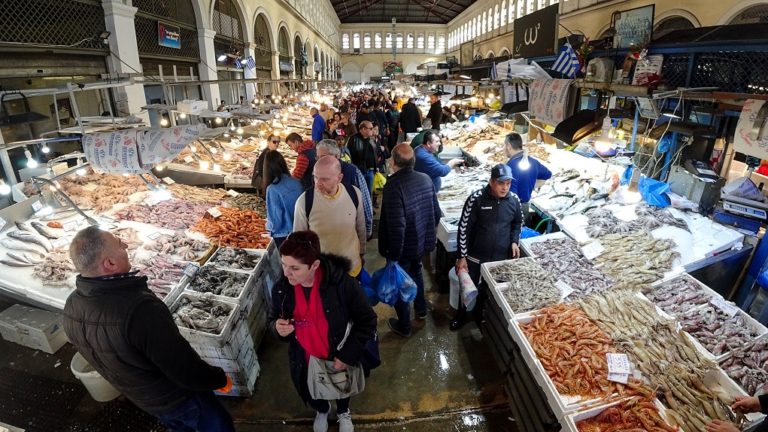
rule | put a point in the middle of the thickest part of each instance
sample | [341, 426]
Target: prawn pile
[635, 414]
[244, 229]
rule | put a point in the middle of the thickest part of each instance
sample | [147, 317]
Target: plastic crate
[261, 253]
[525, 244]
[447, 234]
[247, 286]
[196, 337]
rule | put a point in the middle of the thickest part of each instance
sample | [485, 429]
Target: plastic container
[205, 338]
[525, 244]
[99, 388]
[448, 234]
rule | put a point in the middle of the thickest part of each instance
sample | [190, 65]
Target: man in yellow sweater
[331, 210]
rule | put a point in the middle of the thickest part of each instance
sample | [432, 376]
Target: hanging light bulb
[204, 165]
[239, 131]
[232, 128]
[525, 164]
[183, 115]
[193, 148]
[45, 149]
[216, 167]
[31, 163]
[227, 155]
[4, 188]
[159, 168]
[80, 172]
[226, 134]
[214, 150]
[163, 122]
[218, 120]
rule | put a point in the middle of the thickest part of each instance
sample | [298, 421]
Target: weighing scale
[743, 213]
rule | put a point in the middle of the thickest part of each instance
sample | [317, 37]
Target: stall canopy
[520, 69]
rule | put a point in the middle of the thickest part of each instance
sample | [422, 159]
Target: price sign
[215, 212]
[151, 201]
[233, 193]
[565, 289]
[189, 159]
[71, 225]
[191, 269]
[619, 367]
[60, 242]
[154, 235]
[726, 307]
[593, 250]
[168, 180]
[36, 206]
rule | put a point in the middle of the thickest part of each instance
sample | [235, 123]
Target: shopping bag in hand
[367, 284]
[379, 181]
[392, 282]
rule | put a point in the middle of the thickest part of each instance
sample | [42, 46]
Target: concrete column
[119, 21]
[275, 65]
[295, 73]
[207, 67]
[250, 88]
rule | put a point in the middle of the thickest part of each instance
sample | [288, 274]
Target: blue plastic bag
[392, 283]
[366, 283]
[528, 233]
[626, 177]
[654, 192]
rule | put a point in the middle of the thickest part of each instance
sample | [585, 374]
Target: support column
[207, 67]
[275, 72]
[295, 73]
[250, 88]
[119, 21]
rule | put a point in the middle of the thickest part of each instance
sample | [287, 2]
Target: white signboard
[751, 137]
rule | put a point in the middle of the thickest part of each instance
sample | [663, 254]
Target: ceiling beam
[430, 9]
[360, 8]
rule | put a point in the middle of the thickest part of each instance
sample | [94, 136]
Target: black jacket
[488, 226]
[258, 173]
[361, 152]
[128, 335]
[343, 301]
[410, 118]
[435, 114]
[409, 216]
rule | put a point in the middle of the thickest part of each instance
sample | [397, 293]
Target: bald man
[334, 211]
[362, 151]
[407, 229]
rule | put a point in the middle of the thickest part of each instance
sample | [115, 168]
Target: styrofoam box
[560, 404]
[525, 244]
[452, 207]
[239, 299]
[254, 298]
[33, 328]
[752, 324]
[448, 235]
[261, 253]
[569, 425]
[204, 338]
[661, 285]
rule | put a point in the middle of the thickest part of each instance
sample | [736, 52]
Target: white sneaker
[345, 422]
[321, 422]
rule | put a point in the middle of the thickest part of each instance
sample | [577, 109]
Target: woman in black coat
[330, 299]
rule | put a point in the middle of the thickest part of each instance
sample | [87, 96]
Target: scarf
[310, 323]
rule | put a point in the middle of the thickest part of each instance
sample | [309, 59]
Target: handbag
[327, 383]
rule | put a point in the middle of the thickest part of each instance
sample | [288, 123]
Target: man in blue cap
[525, 169]
[489, 230]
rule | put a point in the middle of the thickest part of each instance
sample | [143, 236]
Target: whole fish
[23, 258]
[28, 237]
[14, 263]
[44, 231]
[25, 226]
[16, 245]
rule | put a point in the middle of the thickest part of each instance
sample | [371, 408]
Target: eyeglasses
[275, 142]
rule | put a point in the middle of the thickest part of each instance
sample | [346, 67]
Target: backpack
[309, 198]
[307, 181]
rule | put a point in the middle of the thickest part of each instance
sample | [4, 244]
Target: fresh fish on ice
[28, 237]
[14, 263]
[44, 231]
[25, 226]
[16, 245]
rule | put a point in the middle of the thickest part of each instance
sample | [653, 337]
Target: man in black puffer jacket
[407, 229]
[489, 230]
[128, 335]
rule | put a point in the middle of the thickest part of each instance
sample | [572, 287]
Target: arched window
[520, 8]
[420, 42]
[504, 53]
[671, 24]
[503, 12]
[530, 7]
[477, 27]
[388, 41]
[409, 41]
[345, 41]
[511, 11]
[377, 41]
[399, 41]
[367, 41]
[496, 17]
[490, 20]
[490, 55]
[283, 44]
[440, 45]
[431, 43]
[543, 4]
[356, 41]
[483, 22]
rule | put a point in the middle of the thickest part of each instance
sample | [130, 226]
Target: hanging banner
[535, 34]
[751, 137]
[549, 100]
[168, 35]
[634, 27]
[467, 53]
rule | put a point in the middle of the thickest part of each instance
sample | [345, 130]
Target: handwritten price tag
[71, 225]
[565, 289]
[60, 242]
[191, 269]
[728, 308]
[619, 367]
[36, 206]
[593, 250]
[215, 212]
[154, 235]
[233, 193]
[168, 180]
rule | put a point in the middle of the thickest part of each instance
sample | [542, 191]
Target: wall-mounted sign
[751, 137]
[634, 27]
[168, 35]
[467, 53]
[393, 67]
[536, 34]
[286, 66]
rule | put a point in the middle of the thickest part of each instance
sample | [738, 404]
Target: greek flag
[567, 63]
[494, 72]
[251, 63]
[238, 63]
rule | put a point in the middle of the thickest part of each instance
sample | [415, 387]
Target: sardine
[44, 231]
[28, 237]
[16, 245]
[13, 263]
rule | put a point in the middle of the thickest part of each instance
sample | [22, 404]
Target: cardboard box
[33, 328]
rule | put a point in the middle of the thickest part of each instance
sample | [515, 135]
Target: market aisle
[436, 380]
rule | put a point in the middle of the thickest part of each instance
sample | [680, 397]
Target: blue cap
[501, 172]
